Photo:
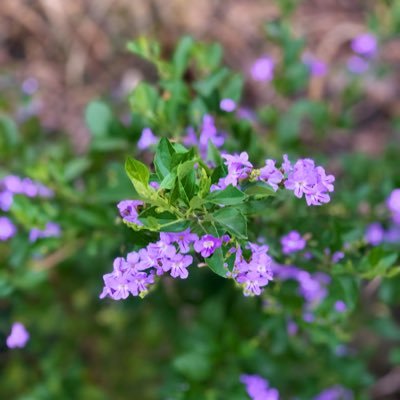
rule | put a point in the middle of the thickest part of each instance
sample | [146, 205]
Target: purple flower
[258, 388]
[286, 165]
[178, 265]
[263, 70]
[7, 228]
[270, 174]
[292, 328]
[6, 200]
[393, 203]
[30, 86]
[292, 242]
[221, 185]
[392, 235]
[209, 132]
[374, 234]
[317, 67]
[206, 245]
[18, 337]
[147, 139]
[184, 239]
[337, 256]
[340, 306]
[154, 185]
[357, 65]
[365, 44]
[128, 210]
[239, 167]
[26, 186]
[227, 105]
[51, 230]
[336, 392]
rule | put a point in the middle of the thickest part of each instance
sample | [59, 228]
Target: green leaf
[232, 220]
[144, 99]
[145, 48]
[169, 181]
[75, 168]
[8, 131]
[260, 190]
[228, 197]
[136, 170]
[163, 158]
[233, 88]
[98, 117]
[216, 263]
[182, 54]
[139, 174]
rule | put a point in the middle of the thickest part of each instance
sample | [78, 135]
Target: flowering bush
[218, 197]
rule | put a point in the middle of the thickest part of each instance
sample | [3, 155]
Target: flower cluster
[18, 337]
[303, 177]
[258, 388]
[137, 272]
[12, 184]
[208, 132]
[312, 287]
[255, 273]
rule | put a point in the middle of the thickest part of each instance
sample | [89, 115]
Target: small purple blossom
[292, 242]
[254, 274]
[263, 69]
[206, 245]
[25, 186]
[270, 174]
[6, 200]
[239, 167]
[184, 239]
[147, 139]
[393, 204]
[30, 86]
[316, 66]
[227, 105]
[51, 229]
[292, 328]
[337, 256]
[7, 228]
[340, 306]
[357, 65]
[128, 210]
[258, 388]
[374, 234]
[178, 265]
[336, 392]
[365, 44]
[18, 337]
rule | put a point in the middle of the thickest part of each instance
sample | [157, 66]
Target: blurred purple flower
[340, 306]
[316, 66]
[336, 392]
[337, 256]
[365, 44]
[51, 230]
[227, 105]
[18, 337]
[6, 200]
[258, 388]
[147, 139]
[374, 234]
[393, 204]
[292, 328]
[292, 242]
[263, 69]
[7, 228]
[30, 86]
[357, 65]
